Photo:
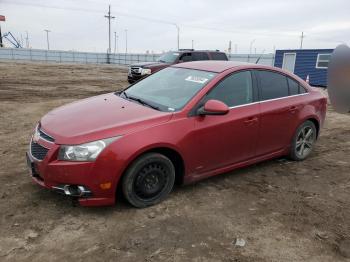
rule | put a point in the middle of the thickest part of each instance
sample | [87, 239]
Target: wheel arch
[168, 151]
[316, 123]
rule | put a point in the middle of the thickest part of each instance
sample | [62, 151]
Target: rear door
[279, 112]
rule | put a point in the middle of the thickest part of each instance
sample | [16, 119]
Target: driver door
[223, 140]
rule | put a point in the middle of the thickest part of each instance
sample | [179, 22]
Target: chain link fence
[23, 54]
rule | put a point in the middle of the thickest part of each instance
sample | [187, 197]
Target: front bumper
[133, 78]
[82, 180]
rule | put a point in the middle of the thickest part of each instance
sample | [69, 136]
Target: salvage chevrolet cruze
[181, 124]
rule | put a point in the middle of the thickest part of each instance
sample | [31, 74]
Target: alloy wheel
[305, 141]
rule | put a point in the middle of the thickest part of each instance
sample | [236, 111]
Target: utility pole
[302, 40]
[192, 44]
[47, 38]
[126, 41]
[229, 50]
[109, 17]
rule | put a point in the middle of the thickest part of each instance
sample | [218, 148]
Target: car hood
[99, 117]
[151, 65]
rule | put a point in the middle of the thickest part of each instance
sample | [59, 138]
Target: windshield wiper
[142, 102]
[124, 93]
[162, 61]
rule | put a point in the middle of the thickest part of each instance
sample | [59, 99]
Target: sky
[251, 25]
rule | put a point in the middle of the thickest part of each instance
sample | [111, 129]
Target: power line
[278, 34]
[220, 29]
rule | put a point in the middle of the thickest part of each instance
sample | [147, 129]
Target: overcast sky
[211, 24]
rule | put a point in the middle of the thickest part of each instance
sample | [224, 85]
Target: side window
[294, 87]
[272, 85]
[302, 90]
[200, 56]
[218, 56]
[234, 90]
[186, 57]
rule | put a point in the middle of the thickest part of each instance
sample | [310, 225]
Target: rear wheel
[148, 180]
[303, 141]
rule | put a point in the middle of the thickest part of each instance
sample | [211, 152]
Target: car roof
[216, 65]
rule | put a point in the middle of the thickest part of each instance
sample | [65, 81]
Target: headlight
[146, 71]
[84, 152]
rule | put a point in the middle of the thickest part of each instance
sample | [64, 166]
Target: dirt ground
[283, 210]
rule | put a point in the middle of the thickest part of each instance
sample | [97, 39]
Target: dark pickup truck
[140, 70]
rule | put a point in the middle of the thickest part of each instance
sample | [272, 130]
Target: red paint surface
[208, 145]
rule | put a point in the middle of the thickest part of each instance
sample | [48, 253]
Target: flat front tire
[303, 141]
[148, 180]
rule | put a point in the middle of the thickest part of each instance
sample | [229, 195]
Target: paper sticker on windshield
[197, 79]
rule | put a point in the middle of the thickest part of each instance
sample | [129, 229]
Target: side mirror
[213, 107]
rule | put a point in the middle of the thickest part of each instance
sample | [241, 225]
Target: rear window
[218, 56]
[294, 87]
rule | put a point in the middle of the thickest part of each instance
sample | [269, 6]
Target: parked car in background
[139, 70]
[186, 122]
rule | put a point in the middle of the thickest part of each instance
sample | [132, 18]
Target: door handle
[251, 120]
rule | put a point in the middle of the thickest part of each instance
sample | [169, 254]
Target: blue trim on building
[305, 64]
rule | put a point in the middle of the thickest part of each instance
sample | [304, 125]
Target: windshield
[169, 57]
[169, 89]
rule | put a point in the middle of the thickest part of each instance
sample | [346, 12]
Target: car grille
[38, 151]
[136, 70]
[46, 136]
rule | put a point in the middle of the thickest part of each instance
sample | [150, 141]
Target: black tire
[303, 141]
[148, 180]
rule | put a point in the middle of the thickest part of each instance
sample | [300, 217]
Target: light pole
[192, 45]
[126, 41]
[47, 38]
[27, 40]
[178, 36]
[115, 43]
[250, 48]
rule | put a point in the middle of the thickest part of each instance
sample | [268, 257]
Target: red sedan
[184, 123]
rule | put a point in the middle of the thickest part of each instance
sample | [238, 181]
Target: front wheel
[148, 180]
[303, 141]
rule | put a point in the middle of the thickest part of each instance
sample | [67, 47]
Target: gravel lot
[283, 210]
